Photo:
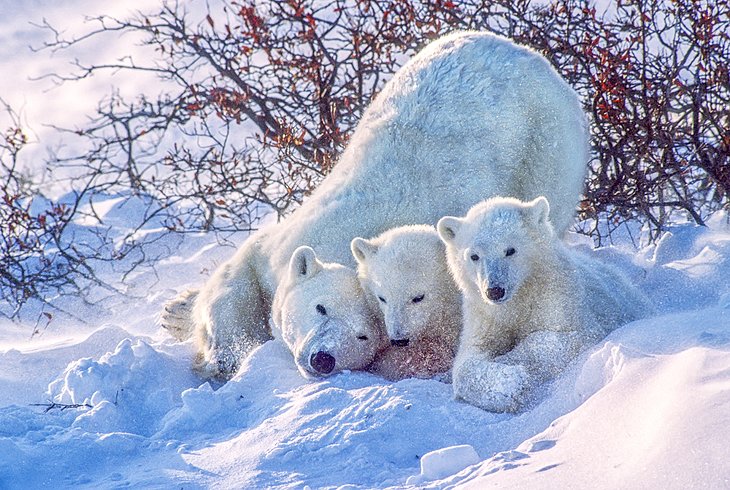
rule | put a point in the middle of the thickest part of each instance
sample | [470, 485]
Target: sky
[25, 84]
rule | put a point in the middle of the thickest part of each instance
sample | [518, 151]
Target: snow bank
[119, 406]
[660, 421]
[129, 389]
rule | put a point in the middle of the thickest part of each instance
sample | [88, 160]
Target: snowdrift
[114, 403]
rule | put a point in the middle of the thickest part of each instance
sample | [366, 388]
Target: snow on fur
[405, 277]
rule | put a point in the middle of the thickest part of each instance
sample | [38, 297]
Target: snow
[647, 407]
[660, 421]
[444, 462]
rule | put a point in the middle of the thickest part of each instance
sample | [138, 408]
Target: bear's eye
[509, 251]
[321, 310]
[474, 257]
[418, 299]
[362, 337]
[382, 300]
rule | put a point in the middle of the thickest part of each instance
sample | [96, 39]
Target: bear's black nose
[399, 342]
[495, 294]
[322, 362]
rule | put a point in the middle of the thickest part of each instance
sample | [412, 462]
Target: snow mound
[602, 367]
[690, 266]
[130, 389]
[655, 425]
[118, 406]
[26, 371]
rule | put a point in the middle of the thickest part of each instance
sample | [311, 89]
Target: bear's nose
[399, 342]
[495, 293]
[322, 362]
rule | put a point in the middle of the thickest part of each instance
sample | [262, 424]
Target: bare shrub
[35, 262]
[259, 99]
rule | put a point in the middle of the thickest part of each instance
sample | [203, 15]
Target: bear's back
[462, 121]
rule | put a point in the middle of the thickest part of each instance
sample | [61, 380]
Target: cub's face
[324, 318]
[406, 275]
[493, 248]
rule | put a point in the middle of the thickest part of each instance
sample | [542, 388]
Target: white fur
[405, 273]
[320, 308]
[471, 116]
[554, 301]
[177, 315]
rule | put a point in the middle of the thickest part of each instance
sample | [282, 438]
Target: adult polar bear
[471, 116]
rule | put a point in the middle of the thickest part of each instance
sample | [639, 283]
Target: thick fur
[177, 315]
[530, 304]
[471, 116]
[405, 274]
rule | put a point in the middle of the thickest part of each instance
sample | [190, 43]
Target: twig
[62, 406]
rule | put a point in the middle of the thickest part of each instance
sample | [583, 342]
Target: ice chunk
[444, 462]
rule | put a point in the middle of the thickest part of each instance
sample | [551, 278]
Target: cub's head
[404, 271]
[323, 317]
[492, 250]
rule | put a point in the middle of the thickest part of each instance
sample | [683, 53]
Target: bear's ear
[362, 249]
[448, 227]
[304, 263]
[539, 209]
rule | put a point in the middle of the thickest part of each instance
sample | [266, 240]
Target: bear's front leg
[231, 315]
[217, 337]
[490, 385]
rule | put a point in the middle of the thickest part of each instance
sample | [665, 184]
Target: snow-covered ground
[649, 407]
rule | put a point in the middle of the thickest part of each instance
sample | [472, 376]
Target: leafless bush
[51, 405]
[33, 259]
[654, 77]
[45, 254]
[259, 99]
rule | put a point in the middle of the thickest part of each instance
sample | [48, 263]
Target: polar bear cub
[323, 316]
[529, 304]
[405, 273]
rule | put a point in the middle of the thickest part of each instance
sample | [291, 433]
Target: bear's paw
[493, 386]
